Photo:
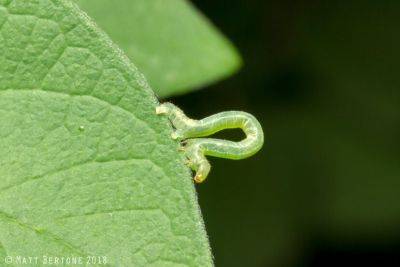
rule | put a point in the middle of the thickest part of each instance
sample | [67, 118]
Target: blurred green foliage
[175, 46]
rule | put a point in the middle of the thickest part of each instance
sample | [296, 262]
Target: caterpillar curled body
[192, 132]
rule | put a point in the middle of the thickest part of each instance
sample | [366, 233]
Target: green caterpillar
[190, 131]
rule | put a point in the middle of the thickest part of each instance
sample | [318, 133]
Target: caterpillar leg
[197, 161]
[194, 154]
[177, 118]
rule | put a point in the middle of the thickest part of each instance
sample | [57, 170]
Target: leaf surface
[174, 45]
[87, 167]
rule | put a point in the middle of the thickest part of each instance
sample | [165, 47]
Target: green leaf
[87, 168]
[174, 45]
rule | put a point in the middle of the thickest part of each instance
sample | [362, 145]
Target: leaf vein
[44, 232]
[53, 172]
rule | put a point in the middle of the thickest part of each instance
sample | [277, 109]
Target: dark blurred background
[323, 79]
